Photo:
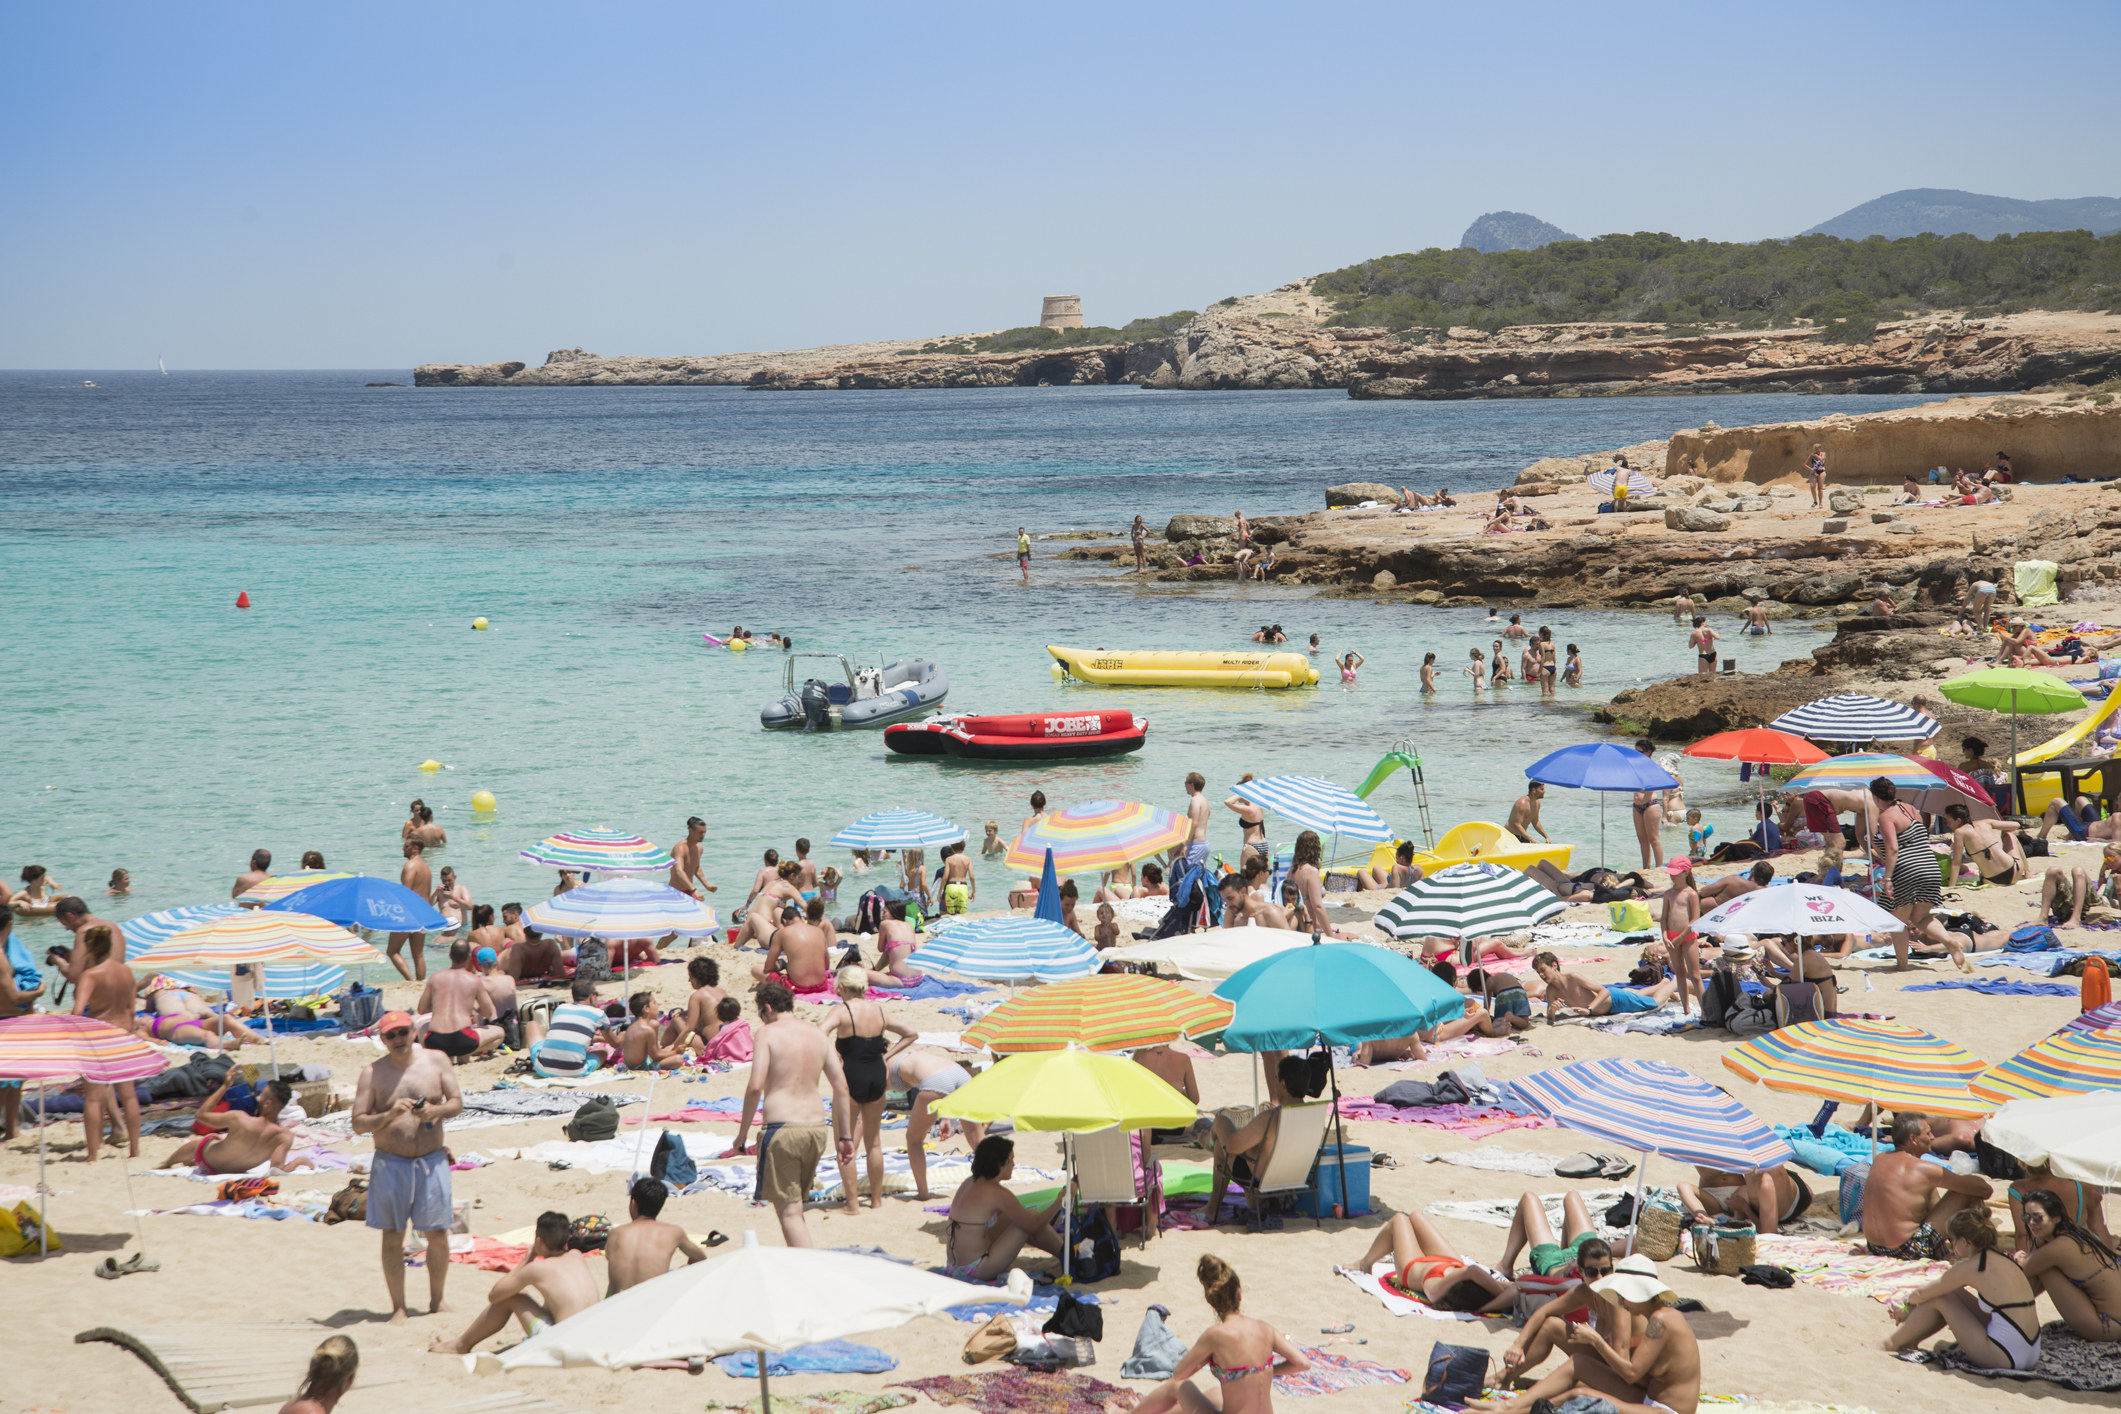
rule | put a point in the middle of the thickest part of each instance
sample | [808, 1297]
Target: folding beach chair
[1301, 1135]
[1107, 1175]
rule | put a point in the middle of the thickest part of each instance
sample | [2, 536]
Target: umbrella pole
[647, 1113]
[1601, 829]
[765, 1391]
[44, 1243]
[1340, 1135]
[1642, 1173]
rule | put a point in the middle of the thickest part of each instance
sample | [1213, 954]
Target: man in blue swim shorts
[403, 1100]
[1579, 994]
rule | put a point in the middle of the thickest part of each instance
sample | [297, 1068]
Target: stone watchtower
[1062, 312]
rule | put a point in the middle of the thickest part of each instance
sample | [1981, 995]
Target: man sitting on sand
[576, 1040]
[535, 959]
[1659, 1375]
[1565, 990]
[1904, 1211]
[560, 1276]
[641, 1248]
[796, 954]
[237, 1142]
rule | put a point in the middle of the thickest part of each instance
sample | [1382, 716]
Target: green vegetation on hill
[1663, 279]
[1038, 337]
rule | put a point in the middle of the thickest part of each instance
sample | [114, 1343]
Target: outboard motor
[817, 706]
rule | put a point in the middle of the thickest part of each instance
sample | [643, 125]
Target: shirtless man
[699, 1018]
[1682, 905]
[460, 1021]
[1660, 1375]
[177, 1016]
[260, 869]
[451, 899]
[685, 875]
[1195, 853]
[557, 1274]
[796, 955]
[1991, 846]
[1524, 815]
[644, 1045]
[536, 958]
[1757, 623]
[485, 933]
[73, 915]
[420, 879]
[501, 991]
[787, 1060]
[104, 991]
[240, 1142]
[642, 1247]
[1749, 881]
[402, 1099]
[1172, 1067]
[511, 924]
[2080, 818]
[1904, 1212]
[1566, 989]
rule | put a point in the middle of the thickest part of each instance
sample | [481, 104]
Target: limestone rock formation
[1354, 493]
[1694, 518]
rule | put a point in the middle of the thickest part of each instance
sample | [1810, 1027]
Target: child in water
[1428, 672]
[1478, 672]
[1697, 836]
[1572, 671]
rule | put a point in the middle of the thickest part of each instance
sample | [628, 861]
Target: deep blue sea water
[150, 724]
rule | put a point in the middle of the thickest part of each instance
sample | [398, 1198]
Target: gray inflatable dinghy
[853, 697]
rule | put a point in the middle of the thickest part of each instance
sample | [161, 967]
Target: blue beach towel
[932, 987]
[1993, 988]
[826, 1357]
[1045, 1297]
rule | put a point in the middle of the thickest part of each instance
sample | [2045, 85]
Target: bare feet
[400, 1316]
[444, 1347]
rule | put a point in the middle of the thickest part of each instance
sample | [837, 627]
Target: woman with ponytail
[1239, 1351]
[331, 1374]
[1985, 1299]
[2080, 1274]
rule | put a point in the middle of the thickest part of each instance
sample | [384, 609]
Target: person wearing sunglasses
[1548, 1328]
[2080, 1274]
[403, 1099]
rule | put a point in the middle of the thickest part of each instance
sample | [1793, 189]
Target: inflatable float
[1036, 736]
[1478, 840]
[862, 697]
[1174, 668]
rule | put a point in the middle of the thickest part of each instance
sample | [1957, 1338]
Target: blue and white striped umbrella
[1009, 950]
[898, 829]
[622, 908]
[280, 980]
[1854, 716]
[1655, 1108]
[1317, 804]
[1638, 484]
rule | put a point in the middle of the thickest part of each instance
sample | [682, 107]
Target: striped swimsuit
[1916, 877]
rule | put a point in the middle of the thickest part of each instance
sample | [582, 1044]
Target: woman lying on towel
[1985, 1299]
[1245, 1355]
[1431, 1272]
[1744, 1196]
[2081, 1274]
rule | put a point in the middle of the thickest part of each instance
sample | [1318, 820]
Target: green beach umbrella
[2013, 690]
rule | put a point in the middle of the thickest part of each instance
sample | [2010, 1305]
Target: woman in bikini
[1985, 1299]
[1349, 664]
[1815, 473]
[857, 1030]
[2080, 1273]
[1252, 822]
[39, 895]
[1430, 1271]
[176, 1016]
[1649, 818]
[1991, 847]
[1244, 1355]
[2083, 1207]
[988, 1225]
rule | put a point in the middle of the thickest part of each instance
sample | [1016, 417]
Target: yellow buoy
[482, 802]
[430, 764]
[1060, 674]
[478, 623]
[739, 645]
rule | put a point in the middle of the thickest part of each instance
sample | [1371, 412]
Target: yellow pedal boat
[1153, 668]
[1478, 840]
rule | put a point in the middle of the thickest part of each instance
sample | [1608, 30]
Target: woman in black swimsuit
[1253, 821]
[858, 1032]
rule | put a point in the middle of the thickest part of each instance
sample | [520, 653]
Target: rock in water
[1512, 230]
[1354, 493]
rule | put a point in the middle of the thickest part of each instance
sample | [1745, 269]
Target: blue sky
[252, 186]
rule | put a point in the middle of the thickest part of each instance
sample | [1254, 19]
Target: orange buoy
[243, 598]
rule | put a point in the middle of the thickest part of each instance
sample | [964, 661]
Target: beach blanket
[1500, 1212]
[1393, 1299]
[1330, 1373]
[488, 1254]
[1992, 987]
[2066, 1359]
[525, 1104]
[945, 1172]
[731, 1043]
[1501, 1160]
[826, 1357]
[1829, 1152]
[832, 1401]
[1471, 1121]
[611, 1155]
[1838, 1265]
[302, 1207]
[2035, 582]
[1021, 1392]
[1045, 1298]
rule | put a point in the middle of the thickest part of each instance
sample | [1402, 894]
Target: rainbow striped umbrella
[274, 887]
[622, 908]
[2099, 1018]
[1928, 791]
[1900, 1067]
[1108, 1012]
[279, 979]
[45, 1048]
[600, 850]
[1658, 1109]
[2066, 1063]
[253, 936]
[1098, 835]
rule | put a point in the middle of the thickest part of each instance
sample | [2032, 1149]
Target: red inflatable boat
[1036, 736]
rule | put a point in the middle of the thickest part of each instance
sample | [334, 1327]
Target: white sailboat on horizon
[161, 365]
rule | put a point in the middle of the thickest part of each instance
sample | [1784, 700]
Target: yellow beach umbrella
[1076, 1091]
[274, 887]
[1888, 1063]
[1112, 1011]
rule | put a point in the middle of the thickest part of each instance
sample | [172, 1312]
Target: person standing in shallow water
[1023, 553]
[1139, 533]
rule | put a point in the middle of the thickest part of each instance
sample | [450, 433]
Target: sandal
[716, 1238]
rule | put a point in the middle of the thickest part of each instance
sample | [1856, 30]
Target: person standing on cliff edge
[1815, 472]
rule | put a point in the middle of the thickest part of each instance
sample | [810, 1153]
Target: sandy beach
[1789, 1345]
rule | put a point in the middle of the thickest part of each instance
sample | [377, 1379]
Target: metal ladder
[1421, 791]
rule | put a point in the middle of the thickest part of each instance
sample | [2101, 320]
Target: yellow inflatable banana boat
[1149, 668]
[1478, 840]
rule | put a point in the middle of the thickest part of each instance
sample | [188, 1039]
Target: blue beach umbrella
[1049, 904]
[1601, 766]
[1009, 950]
[364, 901]
[898, 829]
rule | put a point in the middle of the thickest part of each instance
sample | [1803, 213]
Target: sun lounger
[1302, 1133]
[1106, 1175]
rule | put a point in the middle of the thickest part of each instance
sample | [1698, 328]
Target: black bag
[597, 1119]
[1751, 1017]
[1994, 1163]
[197, 1078]
[1075, 1318]
[2034, 848]
[1102, 1260]
[1457, 1374]
[1719, 993]
[672, 1162]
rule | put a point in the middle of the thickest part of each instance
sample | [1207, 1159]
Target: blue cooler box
[1325, 1183]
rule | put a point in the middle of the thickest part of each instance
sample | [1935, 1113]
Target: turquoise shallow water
[150, 724]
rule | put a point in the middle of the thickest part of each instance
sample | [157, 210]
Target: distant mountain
[1951, 213]
[1511, 230]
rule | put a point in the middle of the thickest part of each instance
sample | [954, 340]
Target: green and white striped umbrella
[1468, 901]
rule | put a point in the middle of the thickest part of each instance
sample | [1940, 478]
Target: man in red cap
[403, 1099]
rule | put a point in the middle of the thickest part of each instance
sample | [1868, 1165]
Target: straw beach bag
[1657, 1233]
[1721, 1249]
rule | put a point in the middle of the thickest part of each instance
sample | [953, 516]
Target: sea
[154, 726]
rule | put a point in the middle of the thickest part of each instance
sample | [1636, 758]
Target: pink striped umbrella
[47, 1048]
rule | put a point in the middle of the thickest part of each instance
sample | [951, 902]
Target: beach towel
[1393, 1299]
[1020, 1392]
[616, 1154]
[1989, 986]
[2035, 583]
[1500, 1212]
[1332, 1372]
[489, 1254]
[1045, 1300]
[2066, 1359]
[1829, 1153]
[1496, 1158]
[731, 1043]
[826, 1357]
[1838, 1265]
[1467, 1120]
[526, 1104]
[833, 1401]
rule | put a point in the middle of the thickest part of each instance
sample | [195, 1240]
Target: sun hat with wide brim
[1634, 1279]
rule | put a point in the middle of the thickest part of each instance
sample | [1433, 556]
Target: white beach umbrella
[1802, 909]
[755, 1298]
[2078, 1136]
[1213, 953]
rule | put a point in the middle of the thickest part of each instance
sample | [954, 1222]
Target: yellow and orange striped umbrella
[1897, 1066]
[2066, 1063]
[1096, 835]
[1109, 1012]
[274, 887]
[55, 1049]
[257, 935]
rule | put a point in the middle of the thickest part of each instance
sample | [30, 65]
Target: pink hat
[1678, 864]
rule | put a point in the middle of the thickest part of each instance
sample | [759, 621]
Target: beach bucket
[1721, 1249]
[734, 934]
[1657, 1233]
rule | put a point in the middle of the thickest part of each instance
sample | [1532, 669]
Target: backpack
[597, 1119]
[593, 960]
[2032, 937]
[672, 1162]
[1719, 994]
[1096, 1248]
[1796, 1003]
[1750, 1017]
